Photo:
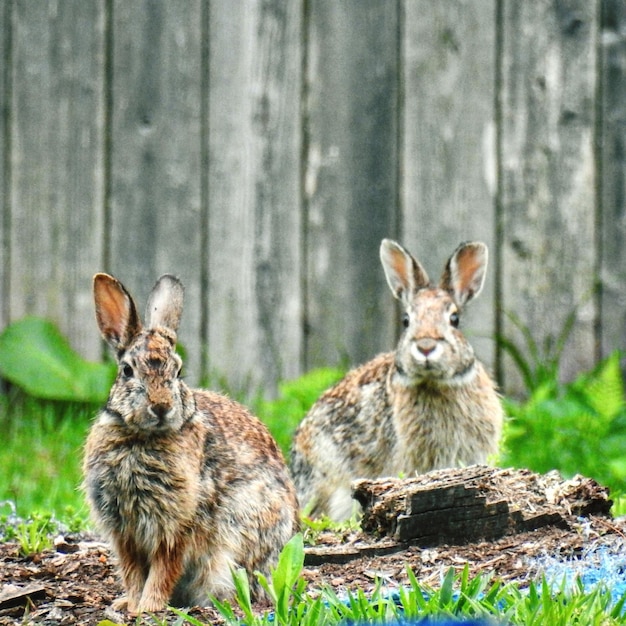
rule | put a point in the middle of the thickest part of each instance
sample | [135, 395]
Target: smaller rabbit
[428, 405]
[186, 484]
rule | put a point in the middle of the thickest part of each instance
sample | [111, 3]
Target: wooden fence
[261, 149]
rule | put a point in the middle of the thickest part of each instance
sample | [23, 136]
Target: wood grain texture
[56, 185]
[262, 149]
[254, 249]
[612, 183]
[548, 174]
[6, 32]
[351, 184]
[459, 506]
[155, 218]
[448, 151]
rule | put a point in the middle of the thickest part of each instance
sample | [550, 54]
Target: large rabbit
[186, 484]
[428, 405]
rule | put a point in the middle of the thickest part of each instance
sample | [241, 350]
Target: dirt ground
[75, 583]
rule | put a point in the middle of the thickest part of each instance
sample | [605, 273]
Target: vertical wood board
[448, 152]
[351, 177]
[156, 154]
[548, 174]
[56, 164]
[6, 29]
[254, 255]
[612, 168]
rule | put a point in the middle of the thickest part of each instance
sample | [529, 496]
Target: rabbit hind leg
[209, 573]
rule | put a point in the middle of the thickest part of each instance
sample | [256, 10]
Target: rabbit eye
[127, 370]
[405, 320]
[454, 319]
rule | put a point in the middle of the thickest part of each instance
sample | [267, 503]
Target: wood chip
[12, 595]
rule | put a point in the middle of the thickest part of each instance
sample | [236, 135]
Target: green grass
[41, 455]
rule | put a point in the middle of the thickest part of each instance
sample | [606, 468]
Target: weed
[35, 535]
[538, 364]
[35, 356]
[581, 427]
[284, 587]
[315, 526]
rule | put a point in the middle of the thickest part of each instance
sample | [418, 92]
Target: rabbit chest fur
[428, 405]
[186, 484]
[161, 480]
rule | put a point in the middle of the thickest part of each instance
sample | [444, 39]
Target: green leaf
[242, 593]
[604, 387]
[35, 356]
[285, 576]
[447, 588]
[185, 618]
[290, 563]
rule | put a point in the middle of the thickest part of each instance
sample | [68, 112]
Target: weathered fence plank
[56, 185]
[351, 184]
[155, 207]
[262, 149]
[612, 162]
[255, 230]
[6, 31]
[547, 194]
[448, 134]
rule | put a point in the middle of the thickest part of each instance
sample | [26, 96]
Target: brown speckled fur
[404, 412]
[187, 484]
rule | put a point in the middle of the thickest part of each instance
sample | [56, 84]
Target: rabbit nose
[160, 410]
[426, 346]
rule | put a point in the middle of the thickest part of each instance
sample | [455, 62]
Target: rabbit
[186, 484]
[428, 405]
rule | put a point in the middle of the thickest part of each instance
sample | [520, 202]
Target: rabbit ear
[165, 303]
[465, 271]
[116, 313]
[404, 274]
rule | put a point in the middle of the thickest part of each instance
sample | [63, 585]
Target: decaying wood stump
[460, 506]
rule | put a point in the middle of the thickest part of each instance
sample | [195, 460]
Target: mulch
[75, 582]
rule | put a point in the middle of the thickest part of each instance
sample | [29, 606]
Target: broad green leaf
[242, 593]
[285, 576]
[290, 564]
[35, 356]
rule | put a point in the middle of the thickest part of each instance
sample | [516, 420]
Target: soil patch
[75, 582]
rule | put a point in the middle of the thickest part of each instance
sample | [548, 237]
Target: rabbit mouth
[150, 421]
[424, 370]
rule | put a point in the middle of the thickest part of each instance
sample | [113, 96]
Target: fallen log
[459, 506]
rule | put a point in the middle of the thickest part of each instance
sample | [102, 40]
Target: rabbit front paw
[124, 605]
